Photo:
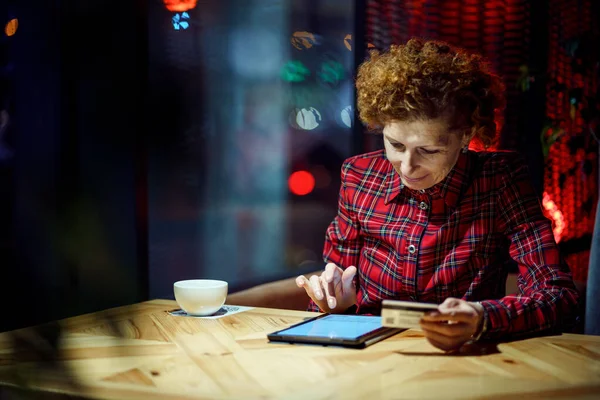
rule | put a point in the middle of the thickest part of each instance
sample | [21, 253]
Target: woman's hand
[454, 324]
[334, 291]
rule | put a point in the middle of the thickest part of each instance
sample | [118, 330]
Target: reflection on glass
[301, 183]
[179, 5]
[308, 118]
[347, 116]
[252, 109]
[11, 27]
[179, 21]
[304, 40]
[294, 71]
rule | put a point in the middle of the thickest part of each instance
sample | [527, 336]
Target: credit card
[404, 314]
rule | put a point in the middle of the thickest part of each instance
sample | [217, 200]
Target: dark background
[77, 185]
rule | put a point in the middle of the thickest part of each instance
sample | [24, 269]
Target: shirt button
[412, 249]
[423, 206]
[422, 190]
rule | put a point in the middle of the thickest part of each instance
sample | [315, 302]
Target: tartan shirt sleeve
[342, 240]
[547, 297]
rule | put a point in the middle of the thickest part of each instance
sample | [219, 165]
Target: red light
[180, 5]
[301, 183]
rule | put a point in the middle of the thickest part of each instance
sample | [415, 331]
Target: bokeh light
[11, 27]
[331, 72]
[303, 40]
[555, 215]
[179, 5]
[179, 21]
[306, 118]
[346, 115]
[301, 183]
[348, 42]
[294, 71]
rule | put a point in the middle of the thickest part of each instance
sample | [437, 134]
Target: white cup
[200, 296]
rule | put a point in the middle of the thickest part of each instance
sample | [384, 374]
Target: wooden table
[141, 351]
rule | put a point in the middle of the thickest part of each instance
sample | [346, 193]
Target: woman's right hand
[334, 291]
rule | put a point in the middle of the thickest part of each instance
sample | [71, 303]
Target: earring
[465, 149]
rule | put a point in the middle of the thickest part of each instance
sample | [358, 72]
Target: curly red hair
[431, 79]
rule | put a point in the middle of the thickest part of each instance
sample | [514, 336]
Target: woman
[429, 220]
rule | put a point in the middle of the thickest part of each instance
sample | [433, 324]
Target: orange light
[301, 183]
[11, 27]
[348, 41]
[180, 5]
[303, 40]
[555, 215]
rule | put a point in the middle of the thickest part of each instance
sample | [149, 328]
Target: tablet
[357, 331]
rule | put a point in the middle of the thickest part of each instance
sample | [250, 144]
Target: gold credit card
[404, 314]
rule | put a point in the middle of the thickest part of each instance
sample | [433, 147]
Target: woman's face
[422, 152]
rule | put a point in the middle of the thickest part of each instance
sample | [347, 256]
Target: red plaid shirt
[455, 239]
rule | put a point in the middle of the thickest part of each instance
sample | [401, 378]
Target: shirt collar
[394, 184]
[449, 189]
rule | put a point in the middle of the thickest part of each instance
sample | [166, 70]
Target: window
[251, 106]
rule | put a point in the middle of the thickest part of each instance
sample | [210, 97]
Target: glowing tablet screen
[336, 327]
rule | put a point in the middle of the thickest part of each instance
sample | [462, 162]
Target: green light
[331, 72]
[294, 71]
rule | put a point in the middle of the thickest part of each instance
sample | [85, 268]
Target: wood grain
[141, 351]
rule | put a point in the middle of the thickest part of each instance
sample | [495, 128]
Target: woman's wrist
[481, 323]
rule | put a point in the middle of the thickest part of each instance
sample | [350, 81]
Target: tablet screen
[336, 327]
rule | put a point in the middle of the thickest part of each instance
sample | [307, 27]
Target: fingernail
[331, 303]
[318, 294]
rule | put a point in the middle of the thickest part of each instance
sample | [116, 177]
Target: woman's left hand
[454, 324]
